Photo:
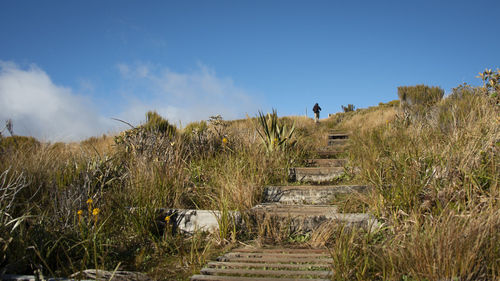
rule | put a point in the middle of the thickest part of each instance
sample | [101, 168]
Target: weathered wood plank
[336, 136]
[312, 266]
[326, 162]
[274, 259]
[337, 142]
[330, 153]
[284, 255]
[304, 273]
[235, 278]
[318, 170]
[279, 250]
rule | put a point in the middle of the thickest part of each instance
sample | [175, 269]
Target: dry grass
[452, 245]
[102, 145]
[222, 167]
[370, 119]
[435, 178]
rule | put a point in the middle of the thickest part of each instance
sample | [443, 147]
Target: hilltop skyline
[67, 68]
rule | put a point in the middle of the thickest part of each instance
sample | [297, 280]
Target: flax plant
[274, 135]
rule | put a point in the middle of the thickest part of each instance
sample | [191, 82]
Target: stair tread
[322, 162]
[264, 272]
[265, 265]
[320, 187]
[238, 278]
[281, 250]
[318, 168]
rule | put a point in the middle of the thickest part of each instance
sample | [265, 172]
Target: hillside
[433, 169]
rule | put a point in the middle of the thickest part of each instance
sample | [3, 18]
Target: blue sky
[66, 67]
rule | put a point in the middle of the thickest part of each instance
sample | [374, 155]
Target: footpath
[299, 208]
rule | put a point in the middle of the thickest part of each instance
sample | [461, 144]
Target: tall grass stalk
[436, 189]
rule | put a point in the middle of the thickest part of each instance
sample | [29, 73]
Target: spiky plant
[275, 136]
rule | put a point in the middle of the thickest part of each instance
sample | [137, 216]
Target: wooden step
[281, 250]
[337, 136]
[326, 162]
[308, 194]
[299, 260]
[338, 142]
[330, 152]
[267, 254]
[304, 218]
[269, 264]
[222, 264]
[268, 272]
[285, 210]
[237, 278]
[316, 174]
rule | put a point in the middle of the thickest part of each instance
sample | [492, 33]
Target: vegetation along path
[301, 208]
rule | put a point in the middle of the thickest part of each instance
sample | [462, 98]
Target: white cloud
[185, 97]
[44, 110]
[47, 111]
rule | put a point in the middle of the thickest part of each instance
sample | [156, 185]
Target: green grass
[143, 169]
[434, 175]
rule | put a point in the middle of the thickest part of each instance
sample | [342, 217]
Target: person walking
[316, 110]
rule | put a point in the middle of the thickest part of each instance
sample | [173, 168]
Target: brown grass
[370, 119]
[434, 176]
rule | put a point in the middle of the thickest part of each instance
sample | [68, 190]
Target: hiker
[316, 110]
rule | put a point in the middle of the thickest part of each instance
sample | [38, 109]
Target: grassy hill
[434, 169]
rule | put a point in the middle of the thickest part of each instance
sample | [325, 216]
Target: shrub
[348, 108]
[491, 85]
[151, 140]
[392, 103]
[195, 127]
[420, 95]
[18, 142]
[156, 123]
[462, 91]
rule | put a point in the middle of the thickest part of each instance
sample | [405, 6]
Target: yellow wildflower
[79, 212]
[90, 201]
[224, 140]
[167, 219]
[96, 211]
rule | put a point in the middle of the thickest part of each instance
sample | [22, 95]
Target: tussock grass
[453, 245]
[435, 177]
[420, 94]
[366, 119]
[216, 165]
[434, 172]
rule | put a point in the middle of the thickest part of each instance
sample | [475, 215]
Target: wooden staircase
[301, 208]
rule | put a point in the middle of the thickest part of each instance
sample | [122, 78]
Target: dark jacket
[316, 108]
